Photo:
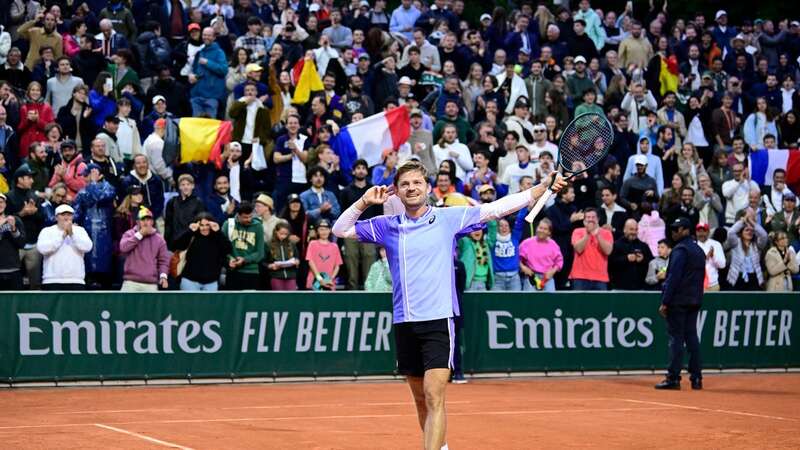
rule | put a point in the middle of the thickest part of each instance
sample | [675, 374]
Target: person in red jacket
[34, 115]
[69, 170]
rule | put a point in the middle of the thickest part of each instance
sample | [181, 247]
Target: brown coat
[262, 128]
[777, 268]
[38, 39]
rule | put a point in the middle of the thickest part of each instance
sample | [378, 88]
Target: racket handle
[539, 205]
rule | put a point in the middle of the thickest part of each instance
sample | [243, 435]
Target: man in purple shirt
[419, 247]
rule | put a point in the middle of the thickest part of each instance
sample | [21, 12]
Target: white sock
[444, 447]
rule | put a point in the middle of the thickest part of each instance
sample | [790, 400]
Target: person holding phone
[629, 259]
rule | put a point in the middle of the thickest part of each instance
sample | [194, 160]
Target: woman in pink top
[540, 259]
[323, 258]
[651, 227]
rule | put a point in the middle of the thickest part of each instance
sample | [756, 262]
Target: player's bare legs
[418, 392]
[429, 397]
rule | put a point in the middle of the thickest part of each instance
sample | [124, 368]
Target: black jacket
[625, 274]
[179, 213]
[10, 244]
[174, 92]
[88, 64]
[683, 287]
[33, 223]
[617, 223]
[70, 126]
[205, 255]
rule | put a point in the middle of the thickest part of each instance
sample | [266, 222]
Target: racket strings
[585, 143]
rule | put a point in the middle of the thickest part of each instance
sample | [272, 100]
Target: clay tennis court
[735, 411]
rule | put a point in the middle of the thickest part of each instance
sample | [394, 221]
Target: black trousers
[63, 287]
[682, 331]
[11, 281]
[238, 281]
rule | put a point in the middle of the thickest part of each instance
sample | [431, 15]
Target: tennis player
[419, 245]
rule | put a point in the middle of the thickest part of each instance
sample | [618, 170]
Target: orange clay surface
[734, 411]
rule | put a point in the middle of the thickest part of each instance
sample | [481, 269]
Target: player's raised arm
[345, 224]
[514, 202]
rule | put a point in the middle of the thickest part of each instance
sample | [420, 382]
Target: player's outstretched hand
[376, 195]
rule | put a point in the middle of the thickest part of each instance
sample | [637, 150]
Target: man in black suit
[681, 300]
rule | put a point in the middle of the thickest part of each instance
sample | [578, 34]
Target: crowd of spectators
[93, 195]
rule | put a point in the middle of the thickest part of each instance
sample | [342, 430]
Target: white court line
[142, 436]
[323, 405]
[721, 411]
[335, 417]
[106, 411]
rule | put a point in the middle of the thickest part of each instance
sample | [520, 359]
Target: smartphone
[109, 84]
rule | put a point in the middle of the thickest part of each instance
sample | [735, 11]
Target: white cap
[485, 17]
[579, 59]
[640, 160]
[158, 98]
[739, 37]
[64, 209]
[794, 23]
[314, 7]
[719, 14]
[405, 80]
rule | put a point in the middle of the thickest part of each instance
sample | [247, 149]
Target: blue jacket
[311, 204]
[513, 44]
[214, 204]
[102, 107]
[211, 76]
[152, 191]
[723, 38]
[683, 286]
[94, 207]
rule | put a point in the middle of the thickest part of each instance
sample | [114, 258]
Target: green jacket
[284, 251]
[465, 132]
[247, 242]
[379, 278]
[576, 86]
[130, 76]
[584, 108]
[779, 223]
[466, 254]
[537, 87]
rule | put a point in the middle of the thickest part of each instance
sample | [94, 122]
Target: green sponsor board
[67, 336]
[121, 335]
[622, 331]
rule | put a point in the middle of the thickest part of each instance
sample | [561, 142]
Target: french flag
[764, 162]
[368, 138]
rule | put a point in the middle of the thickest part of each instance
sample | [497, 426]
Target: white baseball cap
[405, 80]
[159, 98]
[640, 160]
[579, 59]
[62, 209]
[485, 17]
[719, 14]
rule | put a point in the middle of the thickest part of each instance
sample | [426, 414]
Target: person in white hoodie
[63, 245]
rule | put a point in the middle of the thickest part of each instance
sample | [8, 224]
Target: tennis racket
[584, 143]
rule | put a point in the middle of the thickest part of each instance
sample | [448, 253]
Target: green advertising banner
[101, 336]
[623, 331]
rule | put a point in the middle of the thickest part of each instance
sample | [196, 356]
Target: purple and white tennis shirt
[420, 254]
